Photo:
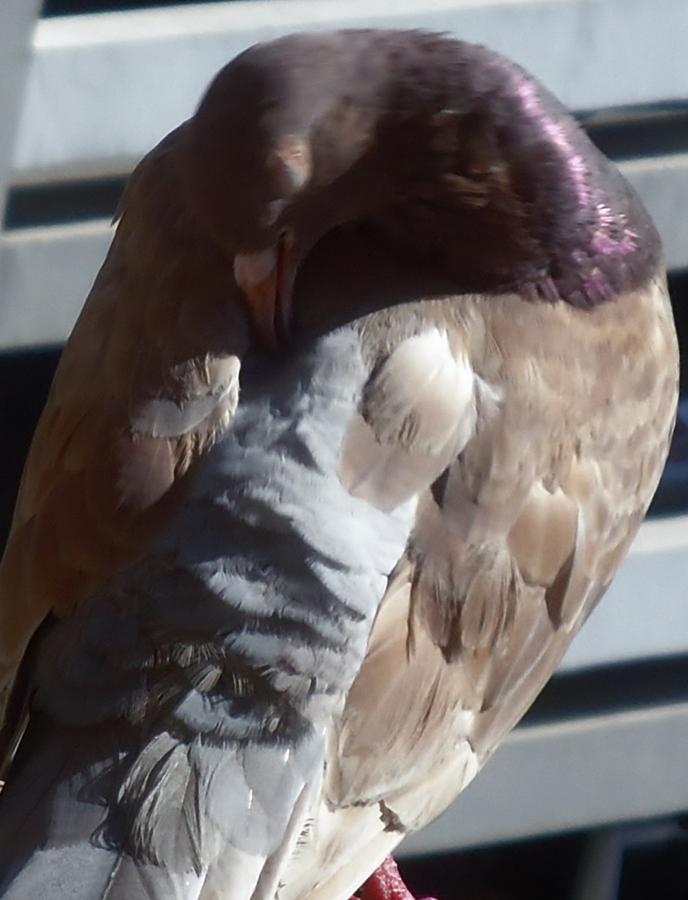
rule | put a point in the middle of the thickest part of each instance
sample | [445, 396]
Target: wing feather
[146, 383]
[512, 548]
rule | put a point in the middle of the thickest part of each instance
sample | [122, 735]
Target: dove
[359, 420]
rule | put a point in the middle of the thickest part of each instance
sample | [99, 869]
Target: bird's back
[233, 643]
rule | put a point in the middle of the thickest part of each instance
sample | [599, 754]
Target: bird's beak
[266, 278]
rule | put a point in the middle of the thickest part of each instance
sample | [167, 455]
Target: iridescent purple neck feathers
[523, 200]
[600, 239]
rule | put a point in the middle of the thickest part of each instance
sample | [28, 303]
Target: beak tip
[265, 279]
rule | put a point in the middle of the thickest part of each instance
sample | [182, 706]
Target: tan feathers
[146, 383]
[511, 550]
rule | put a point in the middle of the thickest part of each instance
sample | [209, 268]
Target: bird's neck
[598, 239]
[512, 194]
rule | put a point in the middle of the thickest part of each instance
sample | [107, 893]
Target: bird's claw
[386, 884]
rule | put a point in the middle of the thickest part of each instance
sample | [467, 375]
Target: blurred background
[588, 799]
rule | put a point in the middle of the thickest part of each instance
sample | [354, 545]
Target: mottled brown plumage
[148, 379]
[508, 559]
[506, 296]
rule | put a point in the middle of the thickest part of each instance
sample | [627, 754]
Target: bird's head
[280, 152]
[445, 149]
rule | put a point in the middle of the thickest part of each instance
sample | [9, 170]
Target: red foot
[385, 884]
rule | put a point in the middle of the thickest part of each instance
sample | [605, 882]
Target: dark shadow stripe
[631, 132]
[35, 205]
[25, 378]
[52, 8]
[617, 688]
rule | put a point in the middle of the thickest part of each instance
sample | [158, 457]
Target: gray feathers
[229, 649]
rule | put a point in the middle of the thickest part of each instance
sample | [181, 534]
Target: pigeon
[358, 421]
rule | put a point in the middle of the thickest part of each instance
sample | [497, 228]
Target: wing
[561, 446]
[146, 383]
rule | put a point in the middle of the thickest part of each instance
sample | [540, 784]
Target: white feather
[422, 411]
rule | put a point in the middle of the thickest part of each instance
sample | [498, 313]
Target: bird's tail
[53, 843]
